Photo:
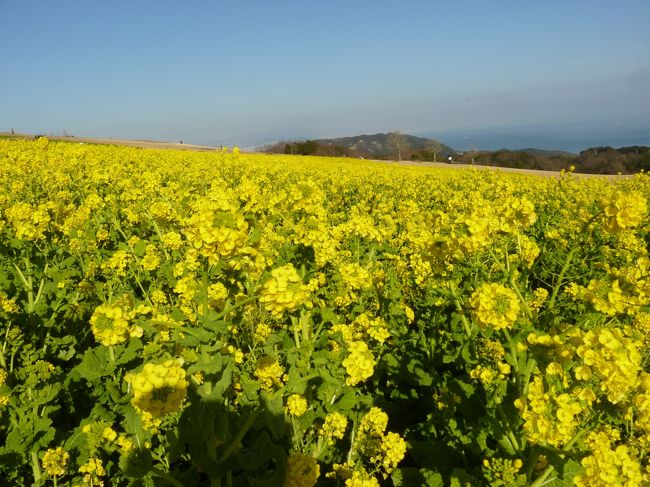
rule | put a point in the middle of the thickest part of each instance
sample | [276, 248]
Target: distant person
[450, 160]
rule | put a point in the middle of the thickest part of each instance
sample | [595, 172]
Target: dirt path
[144, 144]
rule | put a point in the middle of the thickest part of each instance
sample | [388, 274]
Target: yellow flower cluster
[517, 213]
[151, 259]
[359, 364]
[494, 306]
[364, 326]
[353, 475]
[296, 405]
[55, 461]
[385, 450]
[392, 451]
[334, 426]
[549, 417]
[302, 471]
[93, 469]
[29, 222]
[284, 291]
[502, 472]
[489, 374]
[608, 465]
[160, 388]
[118, 262]
[8, 305]
[172, 240]
[216, 230]
[623, 211]
[614, 357]
[355, 276]
[269, 372]
[110, 324]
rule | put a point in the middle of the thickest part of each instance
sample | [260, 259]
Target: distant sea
[567, 137]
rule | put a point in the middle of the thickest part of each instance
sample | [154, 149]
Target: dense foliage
[596, 160]
[175, 318]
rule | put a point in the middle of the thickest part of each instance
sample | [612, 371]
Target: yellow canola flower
[284, 291]
[269, 372]
[296, 405]
[393, 449]
[302, 471]
[361, 479]
[55, 461]
[614, 358]
[93, 466]
[374, 422]
[494, 306]
[160, 388]
[334, 426]
[110, 325]
[359, 364]
[624, 210]
[609, 466]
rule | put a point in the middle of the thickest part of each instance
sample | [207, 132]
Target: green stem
[514, 286]
[36, 468]
[463, 319]
[296, 336]
[3, 361]
[241, 433]
[235, 306]
[111, 353]
[513, 352]
[560, 278]
[541, 480]
[511, 435]
[166, 476]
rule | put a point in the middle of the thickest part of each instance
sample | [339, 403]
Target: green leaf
[94, 364]
[347, 402]
[210, 321]
[460, 478]
[137, 463]
[406, 477]
[128, 353]
[29, 432]
[564, 473]
[273, 414]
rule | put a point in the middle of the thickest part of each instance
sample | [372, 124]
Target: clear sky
[249, 72]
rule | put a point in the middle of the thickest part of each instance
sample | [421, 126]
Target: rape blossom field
[225, 319]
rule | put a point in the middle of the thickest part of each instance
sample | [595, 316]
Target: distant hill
[375, 146]
[381, 145]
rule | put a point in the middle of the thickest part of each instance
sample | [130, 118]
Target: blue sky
[254, 71]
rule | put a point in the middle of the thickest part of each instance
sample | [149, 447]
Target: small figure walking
[450, 160]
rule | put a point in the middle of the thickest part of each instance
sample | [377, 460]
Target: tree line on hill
[596, 160]
[390, 146]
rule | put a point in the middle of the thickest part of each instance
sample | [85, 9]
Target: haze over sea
[570, 137]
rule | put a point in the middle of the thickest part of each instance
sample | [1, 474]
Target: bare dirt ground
[144, 144]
